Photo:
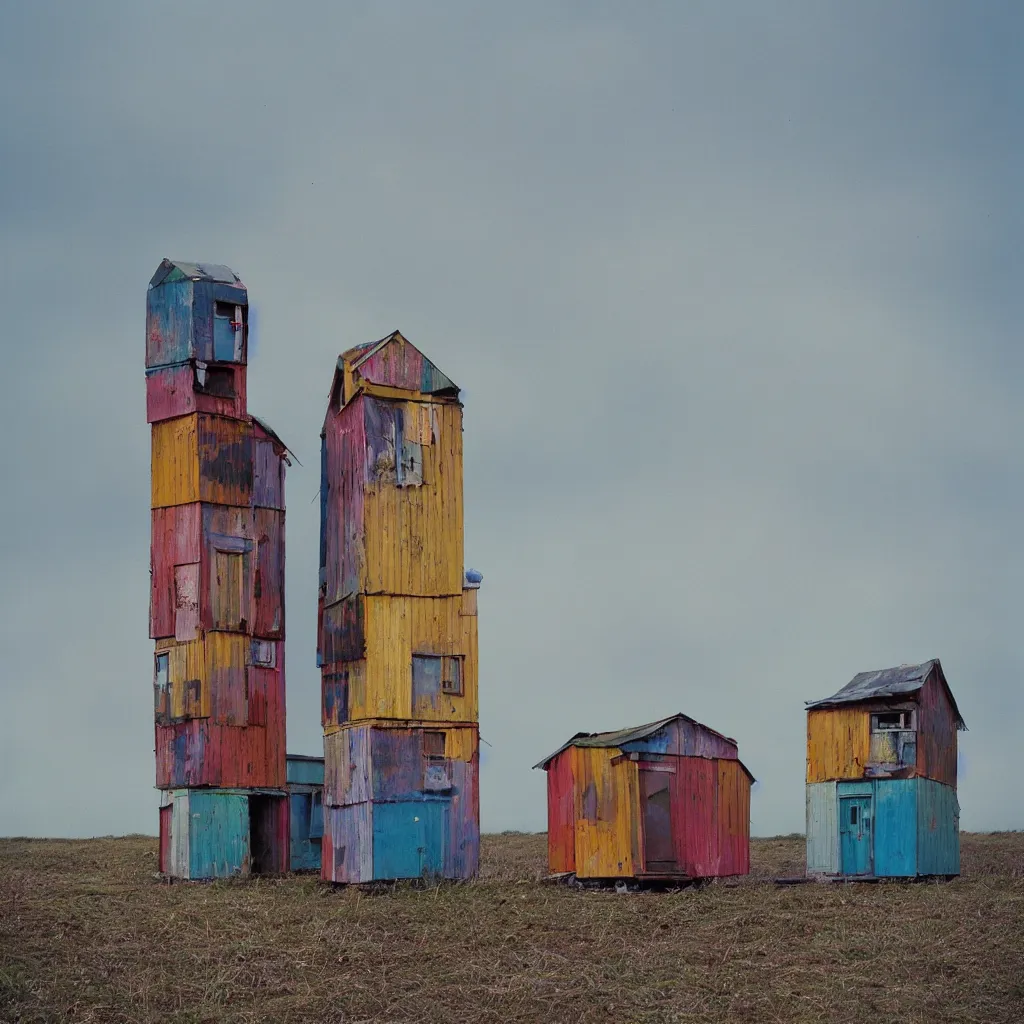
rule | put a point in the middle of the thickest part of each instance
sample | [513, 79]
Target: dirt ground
[87, 933]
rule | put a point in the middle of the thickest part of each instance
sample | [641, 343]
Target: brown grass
[88, 934]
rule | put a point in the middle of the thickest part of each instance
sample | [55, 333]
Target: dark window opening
[853, 815]
[225, 309]
[217, 380]
[892, 721]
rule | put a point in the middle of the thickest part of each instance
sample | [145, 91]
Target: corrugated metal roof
[618, 737]
[900, 681]
[196, 272]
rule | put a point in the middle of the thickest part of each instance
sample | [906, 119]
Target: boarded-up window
[264, 653]
[426, 683]
[433, 744]
[186, 601]
[229, 567]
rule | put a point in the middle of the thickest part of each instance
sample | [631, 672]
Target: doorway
[855, 832]
[656, 800]
[266, 847]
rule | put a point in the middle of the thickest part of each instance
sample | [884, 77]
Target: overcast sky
[732, 290]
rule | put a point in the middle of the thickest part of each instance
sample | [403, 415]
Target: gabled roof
[620, 737]
[179, 270]
[901, 681]
[360, 361]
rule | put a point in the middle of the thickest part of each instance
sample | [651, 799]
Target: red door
[165, 838]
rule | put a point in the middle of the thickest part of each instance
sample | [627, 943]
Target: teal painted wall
[218, 834]
[896, 828]
[938, 829]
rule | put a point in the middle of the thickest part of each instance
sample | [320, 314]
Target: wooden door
[656, 801]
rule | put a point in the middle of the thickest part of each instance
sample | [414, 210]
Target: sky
[732, 291]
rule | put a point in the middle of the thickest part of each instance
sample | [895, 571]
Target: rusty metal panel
[169, 335]
[184, 389]
[343, 631]
[838, 743]
[397, 364]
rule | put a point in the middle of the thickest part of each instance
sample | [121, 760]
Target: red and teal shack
[216, 584]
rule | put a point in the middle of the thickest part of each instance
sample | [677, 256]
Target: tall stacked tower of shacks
[217, 583]
[398, 628]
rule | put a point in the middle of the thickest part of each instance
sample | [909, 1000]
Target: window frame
[453, 685]
[907, 721]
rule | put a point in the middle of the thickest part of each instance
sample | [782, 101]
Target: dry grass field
[87, 933]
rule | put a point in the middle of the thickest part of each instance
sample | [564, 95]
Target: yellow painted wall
[606, 840]
[398, 627]
[175, 462]
[838, 743]
[461, 742]
[177, 458]
[413, 535]
[219, 662]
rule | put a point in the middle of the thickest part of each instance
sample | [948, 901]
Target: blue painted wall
[306, 826]
[305, 772]
[218, 834]
[896, 827]
[409, 839]
[938, 829]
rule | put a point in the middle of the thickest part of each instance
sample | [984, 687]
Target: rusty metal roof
[177, 270]
[901, 681]
[618, 737]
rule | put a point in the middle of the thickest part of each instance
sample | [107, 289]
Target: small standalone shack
[305, 811]
[881, 776]
[666, 801]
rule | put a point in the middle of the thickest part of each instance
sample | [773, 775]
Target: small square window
[451, 676]
[433, 744]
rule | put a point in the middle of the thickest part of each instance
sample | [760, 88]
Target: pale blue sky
[732, 290]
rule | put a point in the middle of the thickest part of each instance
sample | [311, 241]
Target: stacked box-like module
[398, 627]
[217, 584]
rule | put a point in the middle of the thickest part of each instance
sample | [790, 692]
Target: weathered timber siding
[201, 458]
[687, 739]
[561, 816]
[219, 834]
[343, 480]
[347, 850]
[733, 814]
[175, 541]
[938, 829]
[268, 585]
[172, 391]
[822, 829]
[936, 734]
[395, 629]
[895, 827]
[413, 536]
[268, 476]
[175, 462]
[397, 365]
[606, 805]
[838, 743]
[169, 335]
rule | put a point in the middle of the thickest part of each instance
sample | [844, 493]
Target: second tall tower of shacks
[398, 629]
[217, 583]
